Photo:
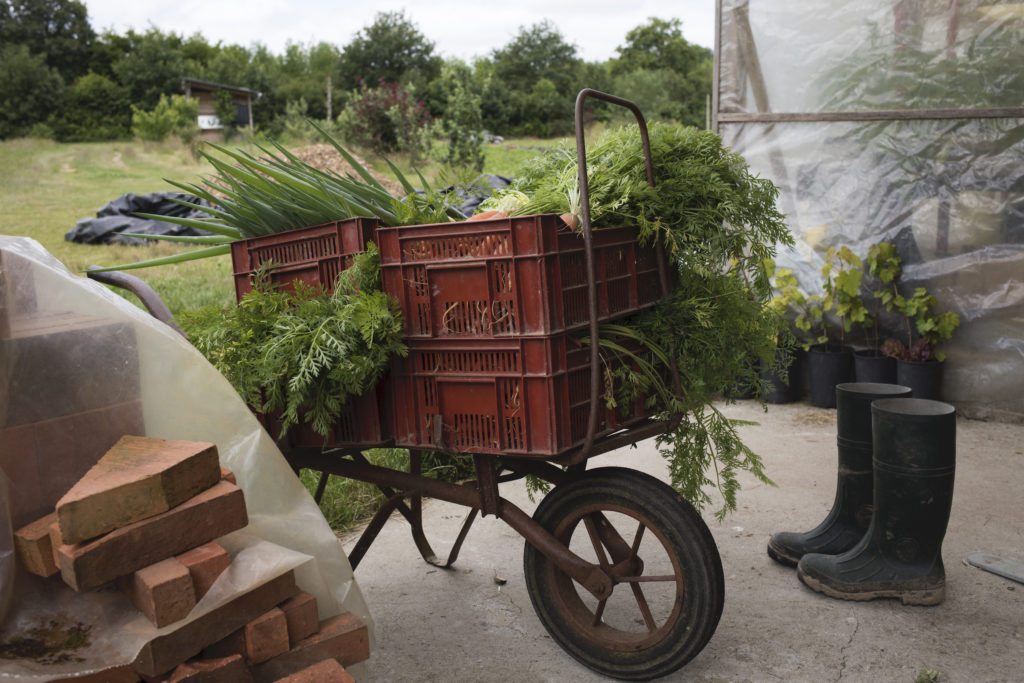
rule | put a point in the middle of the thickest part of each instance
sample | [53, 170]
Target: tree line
[59, 78]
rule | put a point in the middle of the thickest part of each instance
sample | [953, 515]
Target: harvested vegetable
[719, 225]
[304, 353]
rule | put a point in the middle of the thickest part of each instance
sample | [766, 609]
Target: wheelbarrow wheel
[668, 583]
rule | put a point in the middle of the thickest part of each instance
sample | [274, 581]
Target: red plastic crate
[511, 276]
[314, 254]
[364, 422]
[526, 396]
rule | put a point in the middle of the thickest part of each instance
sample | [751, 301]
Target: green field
[45, 188]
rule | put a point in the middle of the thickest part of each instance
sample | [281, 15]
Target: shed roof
[195, 83]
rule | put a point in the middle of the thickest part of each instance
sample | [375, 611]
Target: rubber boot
[901, 554]
[848, 520]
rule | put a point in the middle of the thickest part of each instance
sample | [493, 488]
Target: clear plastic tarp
[82, 366]
[898, 121]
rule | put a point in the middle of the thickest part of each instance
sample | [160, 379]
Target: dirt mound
[326, 158]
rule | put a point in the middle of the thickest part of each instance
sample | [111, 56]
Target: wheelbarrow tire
[652, 642]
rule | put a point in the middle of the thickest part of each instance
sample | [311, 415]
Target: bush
[386, 119]
[174, 115]
[94, 108]
[462, 122]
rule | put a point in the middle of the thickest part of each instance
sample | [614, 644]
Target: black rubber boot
[901, 554]
[848, 520]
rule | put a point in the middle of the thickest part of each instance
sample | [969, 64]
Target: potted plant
[883, 267]
[829, 364]
[918, 364]
[781, 376]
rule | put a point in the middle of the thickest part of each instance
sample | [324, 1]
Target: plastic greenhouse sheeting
[902, 122]
[93, 367]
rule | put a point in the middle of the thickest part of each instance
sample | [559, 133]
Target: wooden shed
[210, 126]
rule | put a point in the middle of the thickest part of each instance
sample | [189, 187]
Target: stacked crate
[314, 255]
[488, 309]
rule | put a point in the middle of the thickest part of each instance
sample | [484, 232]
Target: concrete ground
[463, 625]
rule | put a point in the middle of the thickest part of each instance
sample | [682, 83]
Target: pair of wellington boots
[883, 536]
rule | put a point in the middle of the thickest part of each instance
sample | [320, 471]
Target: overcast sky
[458, 28]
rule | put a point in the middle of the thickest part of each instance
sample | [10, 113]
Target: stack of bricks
[146, 517]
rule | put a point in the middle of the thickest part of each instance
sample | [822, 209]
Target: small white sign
[209, 122]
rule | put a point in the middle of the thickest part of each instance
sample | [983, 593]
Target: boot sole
[781, 557]
[927, 597]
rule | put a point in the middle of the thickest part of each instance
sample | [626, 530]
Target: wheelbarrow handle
[137, 286]
[581, 163]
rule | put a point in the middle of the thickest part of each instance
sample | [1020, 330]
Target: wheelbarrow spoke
[599, 612]
[645, 610]
[593, 530]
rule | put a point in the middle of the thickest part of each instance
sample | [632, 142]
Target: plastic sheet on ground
[899, 122]
[118, 216]
[73, 400]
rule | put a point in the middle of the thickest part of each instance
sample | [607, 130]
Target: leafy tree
[462, 123]
[93, 108]
[539, 69]
[57, 29]
[29, 90]
[656, 58]
[151, 65]
[386, 51]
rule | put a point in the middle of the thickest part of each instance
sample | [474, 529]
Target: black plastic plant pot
[784, 391]
[827, 367]
[924, 378]
[871, 366]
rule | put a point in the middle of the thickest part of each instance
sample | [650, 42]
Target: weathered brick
[264, 637]
[343, 638]
[34, 547]
[119, 674]
[164, 653]
[137, 478]
[205, 564]
[327, 671]
[211, 514]
[223, 670]
[162, 591]
[301, 614]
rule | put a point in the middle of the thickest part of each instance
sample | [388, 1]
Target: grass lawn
[46, 187]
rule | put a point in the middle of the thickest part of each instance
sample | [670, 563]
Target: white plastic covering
[181, 397]
[938, 169]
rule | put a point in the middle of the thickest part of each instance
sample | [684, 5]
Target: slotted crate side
[488, 402]
[315, 254]
[511, 276]
[363, 422]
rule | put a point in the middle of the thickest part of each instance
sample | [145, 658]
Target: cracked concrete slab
[465, 625]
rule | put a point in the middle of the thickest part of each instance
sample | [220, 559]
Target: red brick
[162, 591]
[164, 652]
[228, 475]
[137, 478]
[120, 674]
[266, 637]
[205, 564]
[34, 547]
[302, 616]
[343, 638]
[212, 514]
[231, 644]
[224, 670]
[327, 671]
